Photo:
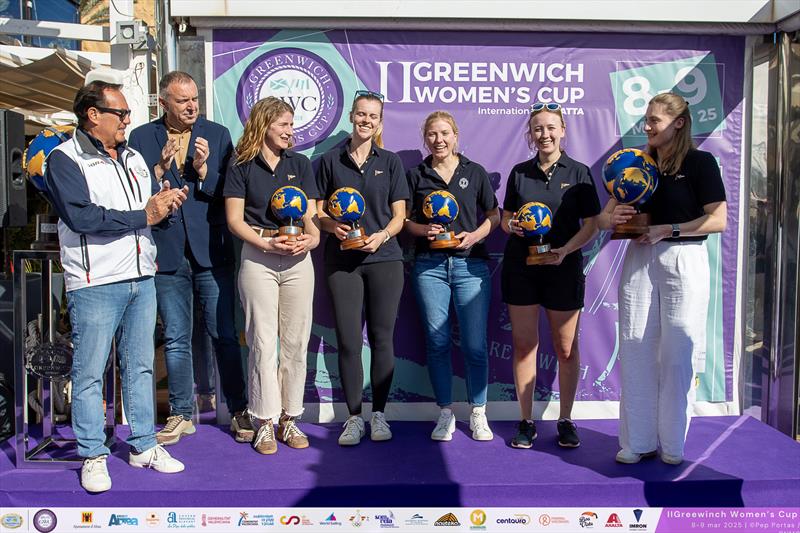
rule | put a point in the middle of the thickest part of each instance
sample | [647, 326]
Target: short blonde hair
[439, 115]
[529, 132]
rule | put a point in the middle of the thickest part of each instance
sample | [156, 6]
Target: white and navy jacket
[100, 200]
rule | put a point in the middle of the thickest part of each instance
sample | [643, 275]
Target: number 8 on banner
[695, 79]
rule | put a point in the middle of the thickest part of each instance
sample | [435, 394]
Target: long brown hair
[675, 106]
[262, 115]
[377, 137]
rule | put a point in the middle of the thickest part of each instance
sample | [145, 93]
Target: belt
[262, 232]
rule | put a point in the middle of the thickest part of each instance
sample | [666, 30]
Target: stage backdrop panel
[488, 80]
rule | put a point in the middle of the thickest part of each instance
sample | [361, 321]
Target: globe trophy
[289, 204]
[631, 177]
[441, 207]
[34, 162]
[536, 219]
[346, 205]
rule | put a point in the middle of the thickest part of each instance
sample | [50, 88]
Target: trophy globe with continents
[346, 205]
[631, 177]
[34, 162]
[441, 207]
[536, 219]
[289, 204]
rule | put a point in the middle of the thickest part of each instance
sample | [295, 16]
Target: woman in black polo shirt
[369, 278]
[276, 278]
[566, 187]
[459, 274]
[664, 287]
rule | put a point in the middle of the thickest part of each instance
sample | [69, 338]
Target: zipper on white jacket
[130, 206]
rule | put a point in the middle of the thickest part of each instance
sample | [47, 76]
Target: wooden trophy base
[444, 240]
[538, 254]
[292, 232]
[354, 240]
[637, 226]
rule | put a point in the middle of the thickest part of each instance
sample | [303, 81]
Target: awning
[42, 89]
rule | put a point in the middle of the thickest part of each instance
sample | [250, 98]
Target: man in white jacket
[107, 201]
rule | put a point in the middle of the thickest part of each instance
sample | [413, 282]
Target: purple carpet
[731, 461]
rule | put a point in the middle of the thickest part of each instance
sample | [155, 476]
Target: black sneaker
[525, 436]
[567, 434]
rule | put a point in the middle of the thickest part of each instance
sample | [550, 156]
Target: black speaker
[13, 200]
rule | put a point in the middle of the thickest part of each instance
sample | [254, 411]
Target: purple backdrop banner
[488, 80]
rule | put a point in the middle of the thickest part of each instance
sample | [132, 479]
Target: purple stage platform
[731, 461]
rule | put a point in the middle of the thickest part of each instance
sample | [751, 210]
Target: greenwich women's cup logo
[301, 79]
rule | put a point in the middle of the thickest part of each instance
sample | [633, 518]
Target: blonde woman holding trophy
[366, 277]
[266, 182]
[664, 287]
[449, 188]
[550, 182]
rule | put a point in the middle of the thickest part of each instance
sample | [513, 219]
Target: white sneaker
[479, 425]
[629, 458]
[445, 426]
[353, 431]
[156, 458]
[671, 459]
[94, 474]
[379, 428]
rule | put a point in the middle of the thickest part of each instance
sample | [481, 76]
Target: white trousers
[663, 302]
[277, 294]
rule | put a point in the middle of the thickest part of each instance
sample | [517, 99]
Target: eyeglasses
[121, 113]
[538, 106]
[368, 94]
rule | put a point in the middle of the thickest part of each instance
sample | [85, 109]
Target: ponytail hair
[377, 137]
[675, 106]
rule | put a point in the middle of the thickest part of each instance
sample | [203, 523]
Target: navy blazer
[201, 222]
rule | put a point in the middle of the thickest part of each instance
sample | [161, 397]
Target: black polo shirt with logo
[256, 182]
[381, 181]
[570, 194]
[472, 190]
[681, 197]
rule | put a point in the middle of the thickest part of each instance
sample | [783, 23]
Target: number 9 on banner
[695, 79]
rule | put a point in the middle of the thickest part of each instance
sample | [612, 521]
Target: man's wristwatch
[676, 231]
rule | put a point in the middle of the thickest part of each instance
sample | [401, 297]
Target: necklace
[357, 159]
[549, 171]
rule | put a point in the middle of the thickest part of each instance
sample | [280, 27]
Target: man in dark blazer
[195, 254]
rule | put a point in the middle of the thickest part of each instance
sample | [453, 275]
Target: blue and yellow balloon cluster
[35, 156]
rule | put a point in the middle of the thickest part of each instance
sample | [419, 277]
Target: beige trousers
[277, 294]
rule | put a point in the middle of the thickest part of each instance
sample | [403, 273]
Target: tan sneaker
[242, 427]
[289, 433]
[264, 442]
[174, 429]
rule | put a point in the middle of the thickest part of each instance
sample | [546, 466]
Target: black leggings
[377, 288]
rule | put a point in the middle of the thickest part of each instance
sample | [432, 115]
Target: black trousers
[374, 288]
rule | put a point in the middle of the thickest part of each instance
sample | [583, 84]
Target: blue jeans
[205, 367]
[214, 288]
[439, 278]
[127, 310]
